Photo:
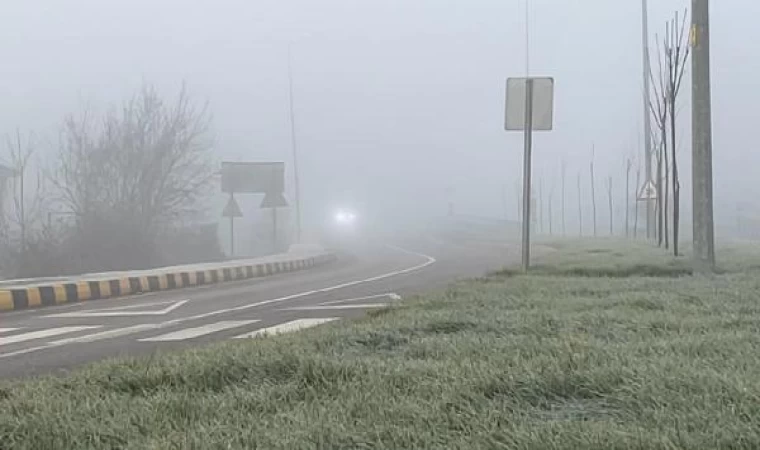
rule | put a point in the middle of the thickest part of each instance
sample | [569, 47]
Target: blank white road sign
[543, 104]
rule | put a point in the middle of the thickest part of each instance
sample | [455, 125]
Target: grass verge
[604, 347]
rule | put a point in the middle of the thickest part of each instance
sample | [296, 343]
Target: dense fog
[398, 104]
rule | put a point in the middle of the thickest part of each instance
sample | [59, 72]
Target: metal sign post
[232, 236]
[530, 106]
[527, 155]
[274, 229]
[232, 210]
[274, 200]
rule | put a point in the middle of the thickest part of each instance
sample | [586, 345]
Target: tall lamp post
[294, 144]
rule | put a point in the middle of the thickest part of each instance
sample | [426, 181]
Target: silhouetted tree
[133, 175]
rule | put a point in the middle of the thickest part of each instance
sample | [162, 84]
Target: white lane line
[191, 333]
[140, 305]
[7, 330]
[120, 311]
[328, 307]
[429, 260]
[25, 351]
[390, 295]
[41, 334]
[118, 332]
[287, 327]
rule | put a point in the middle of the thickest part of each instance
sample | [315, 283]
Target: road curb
[73, 292]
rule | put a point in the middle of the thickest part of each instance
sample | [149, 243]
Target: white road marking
[133, 306]
[120, 311]
[321, 307]
[25, 351]
[191, 333]
[118, 332]
[391, 295]
[7, 330]
[429, 260]
[41, 334]
[287, 327]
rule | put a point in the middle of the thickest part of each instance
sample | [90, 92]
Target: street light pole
[294, 144]
[702, 184]
[527, 38]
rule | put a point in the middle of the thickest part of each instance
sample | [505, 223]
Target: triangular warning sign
[648, 192]
[232, 209]
[274, 201]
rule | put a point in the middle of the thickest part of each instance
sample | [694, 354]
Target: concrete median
[25, 294]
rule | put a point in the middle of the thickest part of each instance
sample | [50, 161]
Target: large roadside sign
[253, 177]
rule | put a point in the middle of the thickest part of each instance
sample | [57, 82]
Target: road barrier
[73, 291]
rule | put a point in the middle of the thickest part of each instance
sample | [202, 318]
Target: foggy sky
[395, 99]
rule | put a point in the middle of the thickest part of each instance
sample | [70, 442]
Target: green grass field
[605, 346]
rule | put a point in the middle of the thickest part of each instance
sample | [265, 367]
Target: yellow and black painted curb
[15, 299]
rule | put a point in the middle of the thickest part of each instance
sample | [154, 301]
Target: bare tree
[551, 194]
[676, 56]
[661, 203]
[26, 205]
[564, 170]
[593, 190]
[541, 203]
[666, 198]
[135, 174]
[609, 198]
[518, 190]
[504, 201]
[658, 107]
[628, 164]
[580, 207]
[636, 202]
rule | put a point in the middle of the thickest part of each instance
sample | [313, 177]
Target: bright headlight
[345, 217]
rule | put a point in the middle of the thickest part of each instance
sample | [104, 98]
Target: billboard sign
[253, 177]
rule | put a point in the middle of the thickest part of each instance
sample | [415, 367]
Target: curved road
[58, 338]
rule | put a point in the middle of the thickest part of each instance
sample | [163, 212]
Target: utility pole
[647, 116]
[294, 145]
[702, 185]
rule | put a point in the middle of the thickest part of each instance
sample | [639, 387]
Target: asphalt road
[56, 339]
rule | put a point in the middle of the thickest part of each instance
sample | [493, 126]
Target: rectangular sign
[543, 104]
[253, 177]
